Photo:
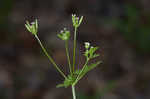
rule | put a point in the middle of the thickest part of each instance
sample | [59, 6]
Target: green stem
[67, 52]
[74, 48]
[49, 57]
[73, 92]
[79, 76]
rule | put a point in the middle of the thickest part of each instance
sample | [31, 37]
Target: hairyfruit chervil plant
[75, 74]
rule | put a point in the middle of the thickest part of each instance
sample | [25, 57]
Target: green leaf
[92, 66]
[95, 55]
[92, 51]
[60, 36]
[80, 20]
[36, 24]
[60, 85]
[68, 81]
[28, 28]
[65, 84]
[87, 69]
[86, 53]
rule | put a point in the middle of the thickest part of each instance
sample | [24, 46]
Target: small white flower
[87, 45]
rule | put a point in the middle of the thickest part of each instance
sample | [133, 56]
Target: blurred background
[121, 28]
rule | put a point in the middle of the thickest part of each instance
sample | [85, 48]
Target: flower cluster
[33, 27]
[90, 51]
[64, 34]
[76, 20]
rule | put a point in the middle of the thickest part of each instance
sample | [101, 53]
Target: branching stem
[67, 52]
[79, 76]
[73, 92]
[74, 48]
[49, 57]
